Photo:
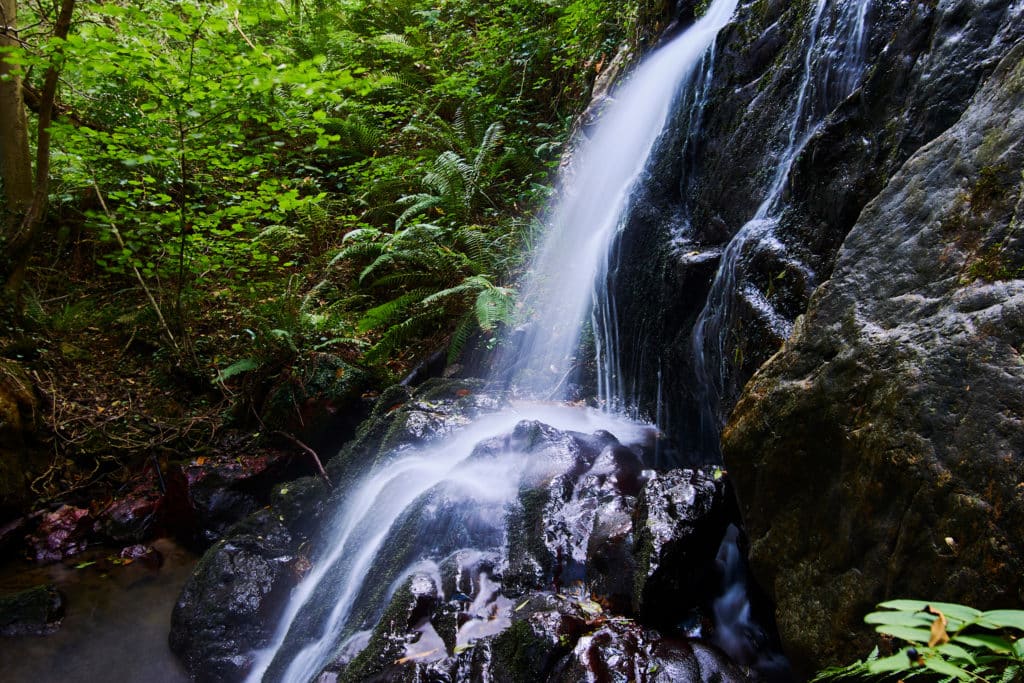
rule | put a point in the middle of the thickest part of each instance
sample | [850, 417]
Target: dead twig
[312, 454]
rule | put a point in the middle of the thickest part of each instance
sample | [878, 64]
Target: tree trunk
[21, 237]
[15, 159]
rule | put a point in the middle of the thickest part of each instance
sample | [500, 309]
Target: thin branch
[312, 454]
[138, 275]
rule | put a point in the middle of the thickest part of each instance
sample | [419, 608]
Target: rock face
[34, 612]
[923, 63]
[223, 612]
[880, 453]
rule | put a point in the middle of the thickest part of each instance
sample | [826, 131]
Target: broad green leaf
[1003, 618]
[899, 618]
[955, 651]
[914, 635]
[896, 662]
[961, 612]
[992, 642]
[940, 665]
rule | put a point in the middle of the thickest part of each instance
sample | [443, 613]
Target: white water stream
[573, 259]
[833, 64]
[560, 293]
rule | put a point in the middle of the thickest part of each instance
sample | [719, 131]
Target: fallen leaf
[418, 655]
[939, 635]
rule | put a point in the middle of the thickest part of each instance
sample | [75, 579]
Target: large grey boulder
[880, 453]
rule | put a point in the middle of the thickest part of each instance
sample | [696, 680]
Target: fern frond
[399, 335]
[361, 234]
[388, 312]
[490, 143]
[463, 331]
[464, 287]
[361, 251]
[494, 305]
[477, 245]
[280, 233]
[417, 204]
[403, 280]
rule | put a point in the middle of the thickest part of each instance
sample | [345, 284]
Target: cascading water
[833, 63]
[452, 484]
[574, 257]
[619, 376]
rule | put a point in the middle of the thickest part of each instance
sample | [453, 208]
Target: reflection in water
[115, 628]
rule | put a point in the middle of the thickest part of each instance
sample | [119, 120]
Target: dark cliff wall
[925, 60]
[880, 453]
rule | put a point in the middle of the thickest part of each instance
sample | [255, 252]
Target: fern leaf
[387, 313]
[357, 252]
[417, 204]
[491, 141]
[463, 331]
[280, 233]
[494, 306]
[399, 335]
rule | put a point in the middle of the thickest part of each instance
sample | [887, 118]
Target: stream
[116, 620]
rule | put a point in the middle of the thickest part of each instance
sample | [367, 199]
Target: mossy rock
[19, 420]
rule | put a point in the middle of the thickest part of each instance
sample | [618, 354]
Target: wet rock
[404, 417]
[543, 632]
[925, 62]
[61, 533]
[381, 660]
[208, 495]
[878, 454]
[300, 504]
[693, 660]
[682, 517]
[34, 612]
[225, 610]
[134, 516]
[611, 552]
[146, 555]
[621, 651]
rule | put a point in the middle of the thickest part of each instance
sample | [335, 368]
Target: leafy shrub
[948, 642]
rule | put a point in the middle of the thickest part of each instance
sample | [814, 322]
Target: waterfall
[573, 259]
[833, 63]
[571, 264]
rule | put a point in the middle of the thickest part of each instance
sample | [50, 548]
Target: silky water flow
[318, 622]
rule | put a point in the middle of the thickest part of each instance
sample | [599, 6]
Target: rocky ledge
[599, 569]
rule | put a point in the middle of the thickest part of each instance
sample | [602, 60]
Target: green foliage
[346, 172]
[948, 642]
[426, 274]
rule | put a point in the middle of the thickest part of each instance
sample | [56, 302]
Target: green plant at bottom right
[945, 642]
